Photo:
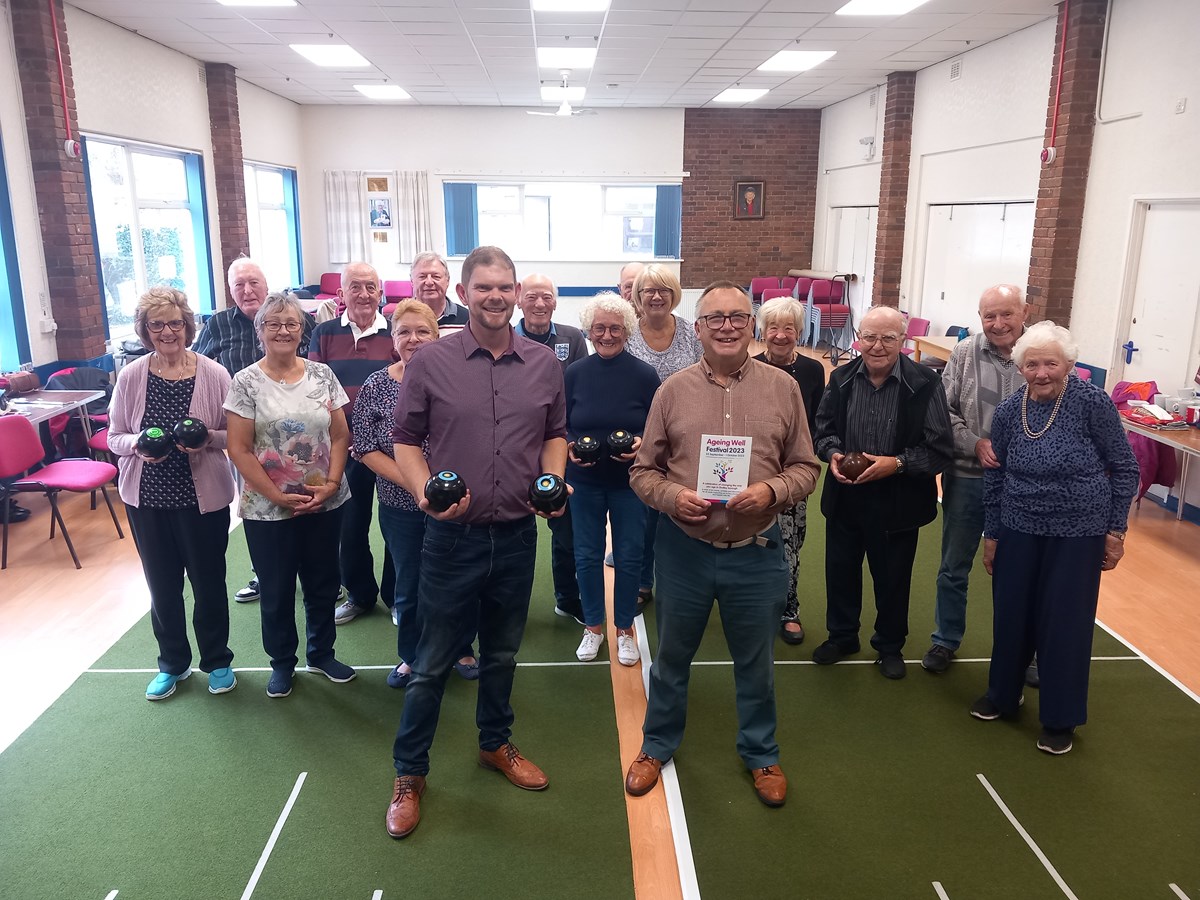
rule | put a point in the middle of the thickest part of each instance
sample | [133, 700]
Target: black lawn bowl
[443, 490]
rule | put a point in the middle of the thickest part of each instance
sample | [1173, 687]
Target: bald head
[1002, 312]
[880, 335]
[883, 320]
[629, 274]
[538, 300]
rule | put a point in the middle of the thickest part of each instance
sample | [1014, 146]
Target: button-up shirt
[487, 419]
[758, 400]
[230, 339]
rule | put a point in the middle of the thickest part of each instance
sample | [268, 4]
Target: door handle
[1129, 351]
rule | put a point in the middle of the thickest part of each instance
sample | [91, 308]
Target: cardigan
[210, 468]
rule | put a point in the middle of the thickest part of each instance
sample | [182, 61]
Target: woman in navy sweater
[608, 391]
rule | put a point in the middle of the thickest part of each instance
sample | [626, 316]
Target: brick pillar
[75, 296]
[226, 131]
[1059, 217]
[893, 187]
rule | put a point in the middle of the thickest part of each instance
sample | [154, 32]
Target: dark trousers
[850, 534]
[467, 570]
[172, 542]
[562, 557]
[281, 551]
[1044, 594]
[355, 560]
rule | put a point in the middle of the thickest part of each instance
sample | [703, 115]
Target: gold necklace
[1033, 436]
[164, 370]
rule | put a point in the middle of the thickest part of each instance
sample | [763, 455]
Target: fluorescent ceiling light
[879, 7]
[257, 2]
[383, 91]
[796, 60]
[566, 57]
[337, 55]
[739, 95]
[569, 6]
[558, 92]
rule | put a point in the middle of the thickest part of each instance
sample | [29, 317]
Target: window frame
[290, 207]
[15, 337]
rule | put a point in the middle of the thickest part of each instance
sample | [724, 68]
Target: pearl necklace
[1033, 436]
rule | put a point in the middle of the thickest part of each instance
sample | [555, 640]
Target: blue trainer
[221, 681]
[280, 684]
[335, 671]
[163, 685]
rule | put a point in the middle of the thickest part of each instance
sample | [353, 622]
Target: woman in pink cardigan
[178, 503]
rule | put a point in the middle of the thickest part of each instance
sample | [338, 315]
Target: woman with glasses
[781, 322]
[178, 500]
[608, 391]
[289, 438]
[669, 344]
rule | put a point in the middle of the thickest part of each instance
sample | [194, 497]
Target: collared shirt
[871, 420]
[352, 353]
[486, 419]
[454, 314]
[566, 341]
[759, 401]
[379, 323]
[229, 338]
[977, 379]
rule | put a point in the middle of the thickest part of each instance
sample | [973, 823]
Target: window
[149, 223]
[564, 220]
[271, 205]
[14, 338]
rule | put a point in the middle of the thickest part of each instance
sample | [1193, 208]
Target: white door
[855, 252]
[1163, 327]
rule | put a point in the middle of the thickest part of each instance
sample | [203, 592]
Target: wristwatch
[899, 465]
[1119, 535]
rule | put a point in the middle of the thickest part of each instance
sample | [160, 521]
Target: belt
[758, 539]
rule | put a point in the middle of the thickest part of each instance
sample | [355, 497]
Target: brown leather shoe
[643, 775]
[404, 812]
[771, 785]
[516, 768]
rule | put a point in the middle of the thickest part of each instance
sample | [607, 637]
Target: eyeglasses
[717, 320]
[656, 292]
[614, 330]
[888, 340]
[174, 325]
[414, 332]
[276, 327]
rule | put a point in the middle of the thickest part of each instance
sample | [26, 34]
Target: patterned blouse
[291, 433]
[374, 415]
[1076, 480]
[685, 349]
[168, 484]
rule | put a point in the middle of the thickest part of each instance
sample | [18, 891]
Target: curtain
[462, 217]
[414, 229]
[346, 215]
[668, 216]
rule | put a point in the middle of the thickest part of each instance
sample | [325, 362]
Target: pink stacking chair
[758, 285]
[330, 282]
[394, 291]
[772, 293]
[916, 328]
[788, 282]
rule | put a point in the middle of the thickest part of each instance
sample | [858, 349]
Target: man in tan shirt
[726, 447]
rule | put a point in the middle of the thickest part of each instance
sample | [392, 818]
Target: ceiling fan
[565, 108]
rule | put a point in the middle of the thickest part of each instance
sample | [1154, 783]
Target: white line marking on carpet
[1152, 664]
[1028, 840]
[378, 895]
[112, 894]
[262, 860]
[1178, 893]
[940, 891]
[529, 665]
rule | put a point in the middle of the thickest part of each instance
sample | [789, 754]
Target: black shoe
[829, 653]
[987, 711]
[791, 637]
[569, 608]
[1032, 678]
[645, 595]
[937, 659]
[891, 665]
[17, 513]
[1056, 741]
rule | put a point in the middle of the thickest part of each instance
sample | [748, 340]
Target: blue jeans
[355, 562]
[646, 580]
[748, 584]
[962, 527]
[562, 557]
[592, 506]
[467, 572]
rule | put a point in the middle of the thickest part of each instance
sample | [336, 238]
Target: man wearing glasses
[229, 338]
[726, 447]
[537, 301]
[894, 412]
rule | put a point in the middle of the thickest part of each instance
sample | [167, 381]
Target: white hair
[608, 302]
[781, 308]
[1044, 336]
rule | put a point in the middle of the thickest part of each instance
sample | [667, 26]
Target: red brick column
[226, 131]
[893, 188]
[721, 147]
[75, 294]
[1059, 217]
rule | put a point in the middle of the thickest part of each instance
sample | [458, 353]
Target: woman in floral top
[288, 437]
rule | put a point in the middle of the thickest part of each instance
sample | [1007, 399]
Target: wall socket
[26, 367]
[1180, 105]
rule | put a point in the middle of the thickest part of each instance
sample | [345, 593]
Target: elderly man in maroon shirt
[491, 405]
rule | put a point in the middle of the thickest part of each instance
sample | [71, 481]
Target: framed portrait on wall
[377, 184]
[748, 197]
[381, 213]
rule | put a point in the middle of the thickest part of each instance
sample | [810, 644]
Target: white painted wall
[272, 130]
[455, 143]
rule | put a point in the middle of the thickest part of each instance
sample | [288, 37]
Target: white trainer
[627, 651]
[590, 645]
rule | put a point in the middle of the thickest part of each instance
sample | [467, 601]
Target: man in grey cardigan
[979, 375]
